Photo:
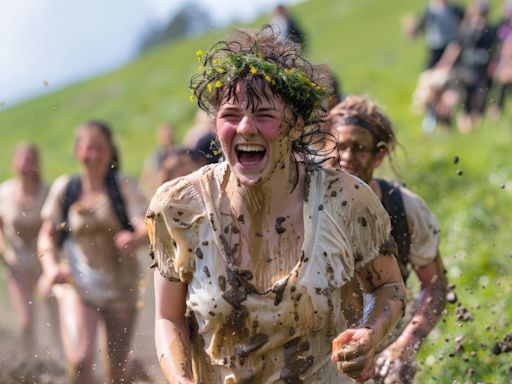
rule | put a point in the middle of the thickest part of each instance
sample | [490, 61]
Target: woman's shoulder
[339, 185]
[183, 195]
[7, 186]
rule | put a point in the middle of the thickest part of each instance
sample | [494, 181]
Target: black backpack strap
[117, 201]
[71, 194]
[394, 204]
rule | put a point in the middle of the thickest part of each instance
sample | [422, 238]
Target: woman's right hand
[58, 274]
[353, 351]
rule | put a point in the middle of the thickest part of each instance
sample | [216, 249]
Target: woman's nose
[246, 126]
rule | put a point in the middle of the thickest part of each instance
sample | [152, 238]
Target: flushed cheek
[226, 132]
[270, 131]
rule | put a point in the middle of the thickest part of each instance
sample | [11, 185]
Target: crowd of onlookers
[469, 67]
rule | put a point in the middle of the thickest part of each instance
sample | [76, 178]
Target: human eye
[362, 148]
[230, 115]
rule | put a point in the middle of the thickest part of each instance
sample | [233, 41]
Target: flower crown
[223, 66]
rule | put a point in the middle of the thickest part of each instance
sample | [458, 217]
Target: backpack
[72, 193]
[394, 205]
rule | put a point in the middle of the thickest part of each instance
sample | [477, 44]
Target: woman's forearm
[173, 349]
[382, 309]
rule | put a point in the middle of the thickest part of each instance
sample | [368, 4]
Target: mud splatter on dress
[283, 333]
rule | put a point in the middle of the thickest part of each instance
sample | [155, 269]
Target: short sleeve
[369, 223]
[173, 219]
[52, 207]
[423, 228]
[362, 221]
[135, 201]
[4, 197]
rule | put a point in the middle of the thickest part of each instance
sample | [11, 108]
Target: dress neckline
[310, 220]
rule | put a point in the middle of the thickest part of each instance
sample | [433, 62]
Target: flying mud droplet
[456, 159]
[459, 172]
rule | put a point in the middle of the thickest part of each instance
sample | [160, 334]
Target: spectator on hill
[440, 21]
[95, 218]
[470, 55]
[166, 147]
[287, 27]
[253, 253]
[21, 200]
[503, 71]
[364, 137]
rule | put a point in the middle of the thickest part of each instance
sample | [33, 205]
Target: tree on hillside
[190, 20]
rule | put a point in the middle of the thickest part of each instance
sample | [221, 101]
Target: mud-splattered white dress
[102, 276]
[21, 223]
[282, 334]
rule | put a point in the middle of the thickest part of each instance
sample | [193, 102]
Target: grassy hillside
[363, 43]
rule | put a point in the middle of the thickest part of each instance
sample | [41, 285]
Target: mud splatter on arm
[172, 336]
[384, 294]
[429, 307]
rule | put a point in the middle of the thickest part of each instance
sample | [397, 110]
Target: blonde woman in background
[21, 199]
[96, 219]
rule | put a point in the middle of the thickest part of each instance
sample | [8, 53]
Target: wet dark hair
[263, 65]
[364, 113]
[106, 131]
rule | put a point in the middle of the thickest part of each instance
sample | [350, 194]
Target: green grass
[363, 43]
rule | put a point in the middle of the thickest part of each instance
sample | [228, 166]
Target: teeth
[250, 148]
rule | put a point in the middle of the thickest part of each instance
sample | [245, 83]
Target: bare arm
[171, 330]
[2, 240]
[429, 306]
[53, 273]
[450, 56]
[127, 242]
[354, 349]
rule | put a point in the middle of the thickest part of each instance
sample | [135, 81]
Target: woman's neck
[29, 184]
[92, 181]
[276, 195]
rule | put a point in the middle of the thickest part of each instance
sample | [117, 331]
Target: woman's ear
[379, 157]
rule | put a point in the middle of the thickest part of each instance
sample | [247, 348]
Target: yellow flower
[220, 70]
[253, 70]
[199, 53]
[218, 84]
[268, 78]
[191, 98]
[210, 87]
[200, 68]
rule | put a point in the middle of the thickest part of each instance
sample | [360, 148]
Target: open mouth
[250, 154]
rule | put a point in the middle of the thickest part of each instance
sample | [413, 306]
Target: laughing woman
[253, 253]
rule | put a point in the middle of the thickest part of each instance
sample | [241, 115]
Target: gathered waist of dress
[102, 288]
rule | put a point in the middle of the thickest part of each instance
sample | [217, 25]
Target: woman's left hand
[353, 351]
[126, 242]
[396, 365]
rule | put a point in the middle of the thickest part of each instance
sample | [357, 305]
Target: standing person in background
[96, 219]
[253, 253]
[471, 55]
[287, 27]
[365, 136]
[440, 22]
[21, 200]
[166, 147]
[502, 75]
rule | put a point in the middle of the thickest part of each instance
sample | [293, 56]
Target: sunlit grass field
[363, 42]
